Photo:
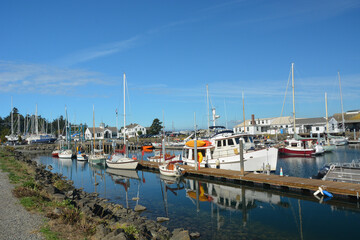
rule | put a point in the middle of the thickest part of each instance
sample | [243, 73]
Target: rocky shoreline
[109, 215]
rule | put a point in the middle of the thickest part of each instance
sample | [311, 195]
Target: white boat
[159, 157]
[65, 154]
[121, 161]
[97, 159]
[339, 141]
[222, 151]
[81, 157]
[170, 169]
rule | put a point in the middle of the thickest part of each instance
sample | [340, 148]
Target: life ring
[200, 157]
[134, 157]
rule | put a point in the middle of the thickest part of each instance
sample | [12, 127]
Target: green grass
[48, 234]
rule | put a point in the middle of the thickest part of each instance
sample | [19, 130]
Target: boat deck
[340, 189]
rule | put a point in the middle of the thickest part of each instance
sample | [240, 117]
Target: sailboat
[96, 157]
[326, 142]
[66, 153]
[340, 140]
[121, 161]
[299, 146]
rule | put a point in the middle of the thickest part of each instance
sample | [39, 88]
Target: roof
[349, 117]
[310, 121]
[282, 121]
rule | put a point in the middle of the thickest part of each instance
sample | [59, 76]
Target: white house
[133, 130]
[101, 133]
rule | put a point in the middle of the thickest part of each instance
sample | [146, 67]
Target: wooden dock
[338, 189]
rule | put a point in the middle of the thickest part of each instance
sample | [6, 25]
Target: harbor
[214, 204]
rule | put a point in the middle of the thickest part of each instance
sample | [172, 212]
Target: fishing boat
[121, 161]
[222, 151]
[171, 169]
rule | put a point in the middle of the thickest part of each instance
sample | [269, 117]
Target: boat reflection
[172, 185]
[122, 177]
[228, 198]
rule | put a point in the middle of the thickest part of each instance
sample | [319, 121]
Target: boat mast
[94, 128]
[243, 109]
[36, 122]
[125, 117]
[208, 113]
[342, 108]
[327, 120]
[12, 117]
[293, 93]
[58, 127]
[18, 124]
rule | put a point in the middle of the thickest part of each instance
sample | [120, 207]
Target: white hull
[121, 162]
[97, 159]
[175, 172]
[66, 154]
[80, 157]
[253, 161]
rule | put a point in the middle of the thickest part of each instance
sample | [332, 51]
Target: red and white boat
[55, 153]
[298, 147]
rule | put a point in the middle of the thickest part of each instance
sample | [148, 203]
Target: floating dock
[338, 189]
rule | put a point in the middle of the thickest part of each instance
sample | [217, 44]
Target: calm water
[225, 211]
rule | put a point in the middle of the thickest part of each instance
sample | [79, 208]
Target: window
[317, 128]
[294, 144]
[219, 143]
[230, 142]
[224, 142]
[237, 140]
[247, 129]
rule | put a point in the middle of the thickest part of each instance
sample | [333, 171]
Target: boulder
[139, 208]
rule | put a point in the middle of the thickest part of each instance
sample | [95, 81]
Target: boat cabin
[220, 147]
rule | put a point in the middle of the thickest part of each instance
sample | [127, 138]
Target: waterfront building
[102, 133]
[133, 130]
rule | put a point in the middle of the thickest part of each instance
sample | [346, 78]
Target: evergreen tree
[155, 127]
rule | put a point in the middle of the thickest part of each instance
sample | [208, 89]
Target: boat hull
[296, 152]
[122, 164]
[67, 154]
[253, 161]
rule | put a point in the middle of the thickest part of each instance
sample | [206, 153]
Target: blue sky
[74, 53]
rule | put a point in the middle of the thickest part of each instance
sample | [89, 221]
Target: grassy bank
[63, 220]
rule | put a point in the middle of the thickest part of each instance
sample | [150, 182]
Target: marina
[216, 207]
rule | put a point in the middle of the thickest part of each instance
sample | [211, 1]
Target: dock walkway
[340, 189]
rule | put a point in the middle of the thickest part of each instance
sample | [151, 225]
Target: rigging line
[287, 86]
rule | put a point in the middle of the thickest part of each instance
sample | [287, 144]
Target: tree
[155, 127]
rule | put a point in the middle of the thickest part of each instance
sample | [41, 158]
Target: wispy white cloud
[98, 51]
[307, 90]
[45, 79]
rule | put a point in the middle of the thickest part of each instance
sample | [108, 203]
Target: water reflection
[221, 211]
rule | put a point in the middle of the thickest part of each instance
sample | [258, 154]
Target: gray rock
[180, 235]
[59, 197]
[162, 219]
[139, 208]
[195, 235]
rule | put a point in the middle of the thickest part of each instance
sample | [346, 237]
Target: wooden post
[241, 153]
